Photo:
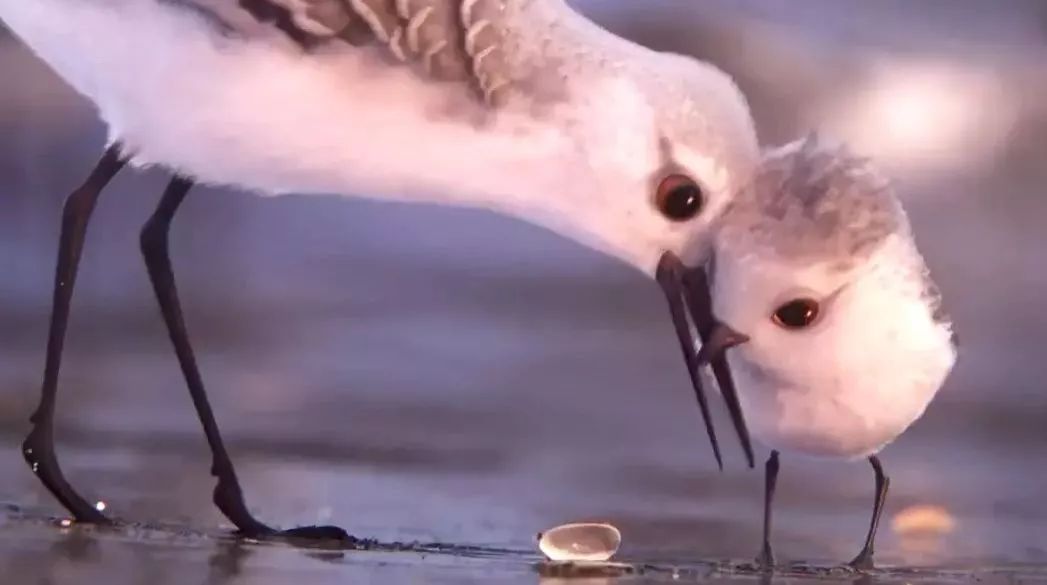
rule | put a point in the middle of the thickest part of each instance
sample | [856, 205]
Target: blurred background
[415, 372]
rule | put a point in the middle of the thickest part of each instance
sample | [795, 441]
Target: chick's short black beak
[719, 341]
[687, 290]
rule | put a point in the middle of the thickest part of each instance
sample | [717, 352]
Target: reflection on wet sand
[169, 554]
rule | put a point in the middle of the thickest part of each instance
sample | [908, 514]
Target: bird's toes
[765, 560]
[862, 562]
[320, 534]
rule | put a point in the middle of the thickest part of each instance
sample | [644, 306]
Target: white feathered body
[817, 223]
[859, 381]
[576, 127]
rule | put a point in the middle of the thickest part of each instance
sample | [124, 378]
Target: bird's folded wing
[446, 40]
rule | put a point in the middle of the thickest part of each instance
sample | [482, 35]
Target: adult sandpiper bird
[520, 106]
[840, 340]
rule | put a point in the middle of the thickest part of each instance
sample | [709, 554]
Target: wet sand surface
[44, 551]
[443, 376]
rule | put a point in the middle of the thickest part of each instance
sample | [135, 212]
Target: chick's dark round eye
[797, 313]
[679, 198]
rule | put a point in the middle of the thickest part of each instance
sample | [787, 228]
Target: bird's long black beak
[687, 290]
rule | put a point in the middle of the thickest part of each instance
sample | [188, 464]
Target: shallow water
[418, 374]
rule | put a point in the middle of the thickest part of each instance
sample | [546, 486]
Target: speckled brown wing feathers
[447, 40]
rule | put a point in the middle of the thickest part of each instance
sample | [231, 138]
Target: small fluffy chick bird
[840, 340]
[523, 107]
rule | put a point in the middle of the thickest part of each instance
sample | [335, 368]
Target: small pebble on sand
[580, 542]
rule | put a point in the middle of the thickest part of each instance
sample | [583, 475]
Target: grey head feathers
[811, 201]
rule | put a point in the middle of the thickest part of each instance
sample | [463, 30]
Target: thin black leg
[227, 493]
[864, 560]
[766, 558]
[38, 447]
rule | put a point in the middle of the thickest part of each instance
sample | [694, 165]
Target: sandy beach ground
[450, 377]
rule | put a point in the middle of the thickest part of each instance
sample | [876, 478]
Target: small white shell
[585, 542]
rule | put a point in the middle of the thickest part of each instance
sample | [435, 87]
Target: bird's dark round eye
[797, 313]
[679, 198]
